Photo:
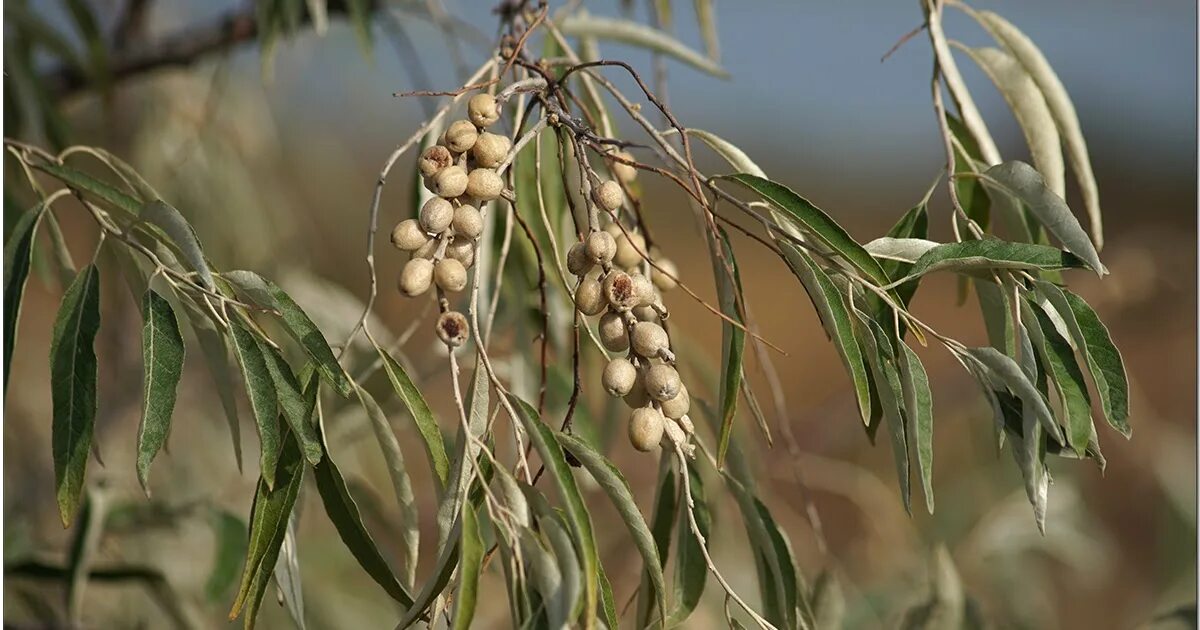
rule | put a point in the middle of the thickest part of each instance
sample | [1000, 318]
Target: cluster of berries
[608, 263]
[460, 170]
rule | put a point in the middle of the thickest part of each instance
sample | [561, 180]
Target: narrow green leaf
[229, 530]
[181, 234]
[162, 359]
[466, 451]
[264, 402]
[268, 526]
[581, 24]
[835, 316]
[293, 401]
[996, 308]
[213, 347]
[287, 575]
[727, 150]
[18, 254]
[881, 357]
[1024, 183]
[608, 603]
[614, 485]
[814, 221]
[471, 562]
[662, 523]
[447, 561]
[1008, 372]
[1104, 362]
[542, 439]
[1064, 373]
[706, 17]
[691, 570]
[968, 256]
[298, 324]
[82, 182]
[431, 434]
[918, 408]
[344, 514]
[73, 387]
[733, 338]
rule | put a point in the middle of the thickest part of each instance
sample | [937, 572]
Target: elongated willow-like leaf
[18, 254]
[614, 485]
[733, 338]
[431, 435]
[82, 182]
[447, 561]
[229, 530]
[264, 403]
[471, 560]
[214, 349]
[814, 221]
[287, 575]
[900, 250]
[165, 217]
[727, 150]
[1058, 360]
[162, 359]
[268, 526]
[297, 402]
[971, 118]
[298, 324]
[662, 523]
[970, 256]
[918, 409]
[1025, 184]
[835, 316]
[691, 569]
[547, 447]
[344, 514]
[1093, 341]
[881, 358]
[633, 33]
[73, 387]
[1006, 371]
[1060, 105]
[1029, 107]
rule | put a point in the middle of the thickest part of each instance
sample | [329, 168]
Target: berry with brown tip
[609, 195]
[649, 339]
[490, 149]
[468, 222]
[620, 290]
[449, 183]
[436, 215]
[462, 250]
[662, 382]
[461, 136]
[619, 377]
[484, 184]
[452, 328]
[434, 159]
[408, 235]
[483, 110]
[678, 406]
[416, 276]
[577, 260]
[588, 298]
[613, 335]
[450, 275]
[600, 247]
[645, 428]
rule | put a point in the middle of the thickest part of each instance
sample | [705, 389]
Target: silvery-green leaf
[82, 182]
[165, 217]
[902, 249]
[1007, 370]
[1061, 107]
[287, 575]
[706, 17]
[727, 150]
[918, 407]
[73, 387]
[733, 338]
[471, 562]
[1058, 359]
[881, 358]
[264, 403]
[662, 522]
[691, 570]
[971, 118]
[967, 256]
[1029, 107]
[162, 359]
[18, 254]
[393, 457]
[1024, 183]
[996, 307]
[581, 24]
[294, 401]
[431, 434]
[465, 452]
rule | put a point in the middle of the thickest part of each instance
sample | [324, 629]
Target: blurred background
[276, 171]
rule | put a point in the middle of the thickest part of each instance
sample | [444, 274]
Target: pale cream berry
[408, 235]
[450, 275]
[450, 182]
[645, 428]
[468, 222]
[619, 377]
[643, 289]
[637, 397]
[624, 172]
[661, 280]
[609, 195]
[436, 215]
[452, 328]
[600, 247]
[649, 339]
[461, 136]
[462, 250]
[577, 260]
[628, 250]
[615, 230]
[416, 276]
[427, 250]
[662, 382]
[619, 290]
[678, 406]
[434, 159]
[588, 298]
[645, 313]
[484, 184]
[490, 149]
[613, 334]
[483, 110]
